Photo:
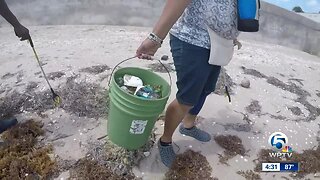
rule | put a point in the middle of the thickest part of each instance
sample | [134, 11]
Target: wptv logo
[279, 142]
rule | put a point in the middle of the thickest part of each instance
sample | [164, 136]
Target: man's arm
[7, 14]
[170, 14]
[21, 31]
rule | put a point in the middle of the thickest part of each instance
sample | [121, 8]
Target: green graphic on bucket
[131, 118]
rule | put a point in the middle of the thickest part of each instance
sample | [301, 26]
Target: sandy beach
[284, 95]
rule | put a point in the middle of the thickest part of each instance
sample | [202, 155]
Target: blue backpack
[248, 15]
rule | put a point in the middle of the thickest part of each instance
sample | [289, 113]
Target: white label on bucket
[138, 126]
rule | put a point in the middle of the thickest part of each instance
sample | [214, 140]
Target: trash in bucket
[149, 92]
[135, 86]
[132, 81]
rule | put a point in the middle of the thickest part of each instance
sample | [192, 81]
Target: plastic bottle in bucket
[149, 92]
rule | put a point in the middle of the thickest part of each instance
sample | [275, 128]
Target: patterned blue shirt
[219, 15]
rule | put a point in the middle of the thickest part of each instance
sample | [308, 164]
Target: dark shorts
[195, 76]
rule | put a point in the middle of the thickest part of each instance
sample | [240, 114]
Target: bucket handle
[152, 58]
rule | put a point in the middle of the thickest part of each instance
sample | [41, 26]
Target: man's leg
[193, 70]
[190, 118]
[188, 128]
[174, 115]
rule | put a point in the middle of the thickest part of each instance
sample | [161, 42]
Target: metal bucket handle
[152, 58]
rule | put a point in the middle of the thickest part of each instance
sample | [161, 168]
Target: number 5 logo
[278, 140]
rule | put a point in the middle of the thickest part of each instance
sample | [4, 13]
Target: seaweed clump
[109, 161]
[162, 68]
[121, 160]
[188, 166]
[20, 155]
[98, 69]
[19, 102]
[87, 169]
[249, 175]
[84, 99]
[232, 145]
[78, 97]
[220, 85]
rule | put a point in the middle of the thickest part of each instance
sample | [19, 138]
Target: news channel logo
[279, 141]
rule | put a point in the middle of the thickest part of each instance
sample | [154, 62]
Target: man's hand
[22, 32]
[147, 49]
[237, 43]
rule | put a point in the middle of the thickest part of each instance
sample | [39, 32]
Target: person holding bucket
[23, 33]
[190, 22]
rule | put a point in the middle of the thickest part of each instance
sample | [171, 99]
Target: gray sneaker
[196, 133]
[167, 154]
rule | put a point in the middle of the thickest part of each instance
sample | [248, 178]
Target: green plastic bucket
[131, 118]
